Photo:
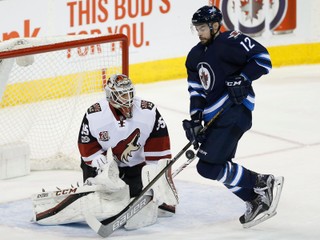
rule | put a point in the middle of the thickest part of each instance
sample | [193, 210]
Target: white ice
[284, 140]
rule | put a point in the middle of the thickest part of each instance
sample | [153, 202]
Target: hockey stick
[190, 156]
[108, 226]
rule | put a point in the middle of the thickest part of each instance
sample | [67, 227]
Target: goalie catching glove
[238, 88]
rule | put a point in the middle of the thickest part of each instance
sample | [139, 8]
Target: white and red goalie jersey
[144, 137]
[141, 139]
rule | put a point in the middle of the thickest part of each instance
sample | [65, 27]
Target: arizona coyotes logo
[122, 151]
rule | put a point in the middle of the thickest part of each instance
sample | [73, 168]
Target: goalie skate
[278, 184]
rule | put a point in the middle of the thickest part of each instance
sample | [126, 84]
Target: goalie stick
[106, 227]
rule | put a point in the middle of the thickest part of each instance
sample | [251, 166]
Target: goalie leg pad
[164, 189]
[164, 195]
[103, 197]
[71, 208]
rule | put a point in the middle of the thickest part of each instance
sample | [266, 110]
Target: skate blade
[259, 220]
[278, 185]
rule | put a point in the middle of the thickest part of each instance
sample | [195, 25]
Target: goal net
[46, 85]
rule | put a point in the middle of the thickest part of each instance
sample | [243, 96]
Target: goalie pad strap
[56, 209]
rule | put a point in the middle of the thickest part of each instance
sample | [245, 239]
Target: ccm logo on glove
[238, 88]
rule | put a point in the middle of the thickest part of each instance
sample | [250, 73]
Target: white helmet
[120, 93]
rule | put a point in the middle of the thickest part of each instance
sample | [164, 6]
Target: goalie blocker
[105, 196]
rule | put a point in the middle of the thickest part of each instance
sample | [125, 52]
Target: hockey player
[220, 70]
[124, 143]
[131, 128]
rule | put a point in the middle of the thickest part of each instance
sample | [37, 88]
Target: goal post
[46, 85]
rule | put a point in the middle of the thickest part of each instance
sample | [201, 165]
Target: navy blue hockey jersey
[231, 53]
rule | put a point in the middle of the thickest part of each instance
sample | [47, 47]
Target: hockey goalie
[124, 143]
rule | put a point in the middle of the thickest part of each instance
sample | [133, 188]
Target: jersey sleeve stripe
[157, 158]
[88, 149]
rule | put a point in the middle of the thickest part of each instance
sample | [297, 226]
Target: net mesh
[45, 95]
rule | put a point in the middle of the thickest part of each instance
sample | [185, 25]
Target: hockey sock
[235, 177]
[246, 194]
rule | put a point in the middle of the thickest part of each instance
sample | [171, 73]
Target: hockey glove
[192, 129]
[238, 88]
[98, 162]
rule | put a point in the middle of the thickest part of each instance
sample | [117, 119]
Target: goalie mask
[120, 93]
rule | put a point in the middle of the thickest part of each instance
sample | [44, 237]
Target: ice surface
[284, 140]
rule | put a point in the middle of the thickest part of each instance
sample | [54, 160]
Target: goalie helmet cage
[46, 86]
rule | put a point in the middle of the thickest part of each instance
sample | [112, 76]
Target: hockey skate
[264, 206]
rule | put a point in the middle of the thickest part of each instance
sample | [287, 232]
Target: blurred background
[159, 30]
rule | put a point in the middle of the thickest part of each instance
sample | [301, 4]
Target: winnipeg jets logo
[206, 75]
[250, 16]
[123, 150]
[251, 9]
